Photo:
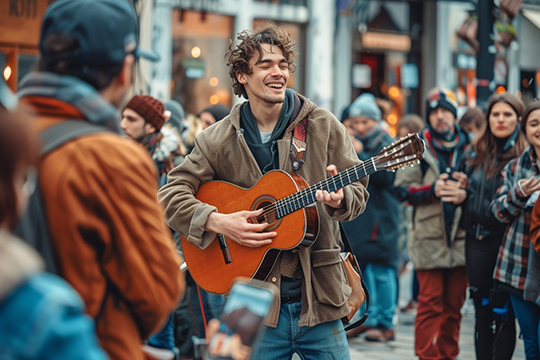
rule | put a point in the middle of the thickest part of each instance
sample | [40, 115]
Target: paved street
[403, 347]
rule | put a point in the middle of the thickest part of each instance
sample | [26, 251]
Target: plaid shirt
[513, 207]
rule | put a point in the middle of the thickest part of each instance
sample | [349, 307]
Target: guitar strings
[309, 191]
[288, 200]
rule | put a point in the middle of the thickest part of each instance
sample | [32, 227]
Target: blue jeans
[528, 316]
[381, 283]
[164, 338]
[325, 341]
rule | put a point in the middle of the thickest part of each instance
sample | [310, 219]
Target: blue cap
[106, 30]
[365, 105]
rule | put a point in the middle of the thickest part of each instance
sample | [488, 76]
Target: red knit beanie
[152, 110]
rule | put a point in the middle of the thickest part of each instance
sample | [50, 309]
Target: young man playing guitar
[255, 138]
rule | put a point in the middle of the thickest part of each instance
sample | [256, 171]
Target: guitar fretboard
[389, 158]
[307, 197]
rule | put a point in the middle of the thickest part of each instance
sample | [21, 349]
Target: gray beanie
[365, 105]
[177, 113]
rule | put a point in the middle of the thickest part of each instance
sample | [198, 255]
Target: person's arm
[535, 227]
[199, 222]
[139, 256]
[510, 199]
[410, 187]
[341, 153]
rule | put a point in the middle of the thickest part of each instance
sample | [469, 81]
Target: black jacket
[477, 219]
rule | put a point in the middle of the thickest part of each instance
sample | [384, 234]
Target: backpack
[33, 227]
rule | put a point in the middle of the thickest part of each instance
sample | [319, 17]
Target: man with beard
[142, 120]
[436, 245]
[254, 139]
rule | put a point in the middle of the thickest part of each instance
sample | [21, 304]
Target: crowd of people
[115, 184]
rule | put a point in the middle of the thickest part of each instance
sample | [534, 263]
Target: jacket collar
[307, 107]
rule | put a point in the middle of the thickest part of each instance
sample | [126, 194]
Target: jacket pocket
[328, 277]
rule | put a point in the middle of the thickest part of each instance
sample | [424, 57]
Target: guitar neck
[307, 197]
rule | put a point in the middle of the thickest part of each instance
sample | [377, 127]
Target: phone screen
[243, 314]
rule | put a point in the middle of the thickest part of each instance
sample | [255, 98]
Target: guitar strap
[299, 144]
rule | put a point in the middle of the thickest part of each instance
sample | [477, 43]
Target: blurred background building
[396, 49]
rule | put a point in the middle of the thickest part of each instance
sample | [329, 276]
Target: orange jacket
[111, 240]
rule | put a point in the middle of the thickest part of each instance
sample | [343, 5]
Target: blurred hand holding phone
[242, 321]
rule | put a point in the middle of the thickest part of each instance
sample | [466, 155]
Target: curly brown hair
[239, 55]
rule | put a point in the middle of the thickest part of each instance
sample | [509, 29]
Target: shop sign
[20, 21]
[385, 41]
[194, 68]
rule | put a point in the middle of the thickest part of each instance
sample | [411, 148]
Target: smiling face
[268, 81]
[502, 120]
[532, 129]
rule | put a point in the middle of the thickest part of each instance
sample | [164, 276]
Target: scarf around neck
[373, 138]
[266, 154]
[73, 91]
[446, 151]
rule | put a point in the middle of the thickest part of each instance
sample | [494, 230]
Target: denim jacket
[41, 316]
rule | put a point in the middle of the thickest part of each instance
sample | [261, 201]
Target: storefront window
[200, 74]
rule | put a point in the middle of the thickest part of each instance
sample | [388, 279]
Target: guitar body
[299, 228]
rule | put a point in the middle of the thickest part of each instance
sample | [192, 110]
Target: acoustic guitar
[289, 209]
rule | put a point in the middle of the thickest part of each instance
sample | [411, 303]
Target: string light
[7, 72]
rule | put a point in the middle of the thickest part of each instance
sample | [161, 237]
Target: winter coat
[112, 244]
[477, 219]
[428, 245]
[221, 153]
[374, 234]
[41, 316]
[512, 207]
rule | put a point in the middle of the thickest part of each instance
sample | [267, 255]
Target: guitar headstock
[406, 151]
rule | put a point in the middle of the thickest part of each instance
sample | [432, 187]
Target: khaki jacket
[427, 242]
[221, 152]
[112, 243]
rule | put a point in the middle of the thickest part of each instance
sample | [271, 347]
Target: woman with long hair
[513, 205]
[483, 163]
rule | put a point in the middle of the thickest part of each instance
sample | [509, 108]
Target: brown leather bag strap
[299, 144]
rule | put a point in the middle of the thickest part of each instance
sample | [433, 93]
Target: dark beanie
[218, 111]
[438, 97]
[177, 113]
[152, 110]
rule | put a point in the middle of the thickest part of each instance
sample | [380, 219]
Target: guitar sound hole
[269, 213]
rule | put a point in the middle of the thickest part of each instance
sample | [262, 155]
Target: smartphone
[245, 310]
